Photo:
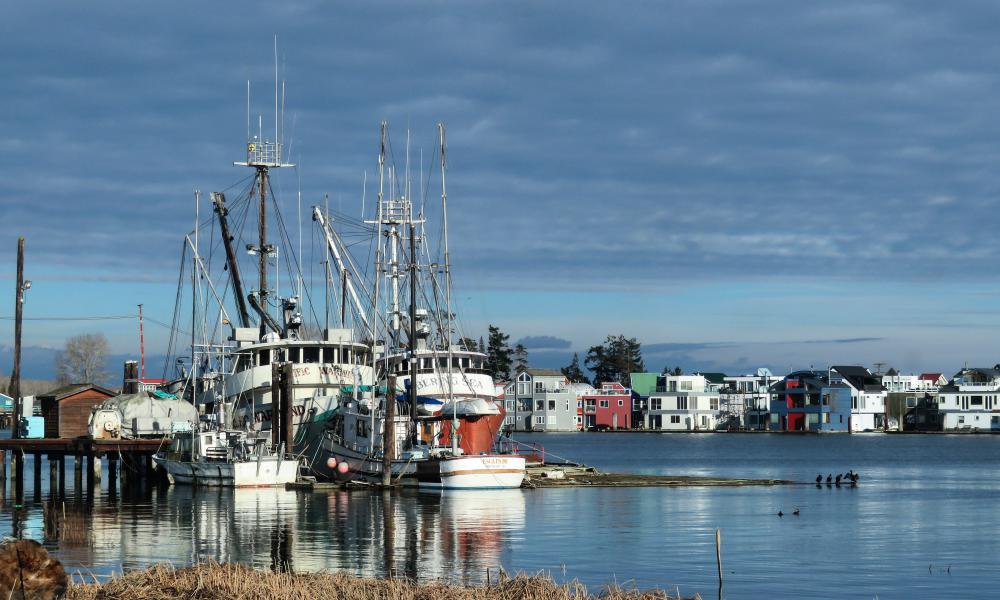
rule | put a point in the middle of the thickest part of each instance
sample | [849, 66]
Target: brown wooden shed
[67, 409]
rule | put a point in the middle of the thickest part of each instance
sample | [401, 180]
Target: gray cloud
[850, 140]
[544, 342]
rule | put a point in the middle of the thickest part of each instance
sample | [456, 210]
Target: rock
[43, 576]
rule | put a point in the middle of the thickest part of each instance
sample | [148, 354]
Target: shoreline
[212, 581]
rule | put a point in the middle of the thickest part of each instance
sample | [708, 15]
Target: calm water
[923, 523]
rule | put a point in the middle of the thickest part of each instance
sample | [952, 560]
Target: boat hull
[268, 472]
[479, 472]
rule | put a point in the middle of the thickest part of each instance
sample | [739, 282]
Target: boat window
[242, 362]
[425, 363]
[295, 354]
[310, 355]
[465, 363]
[264, 357]
[443, 362]
[330, 355]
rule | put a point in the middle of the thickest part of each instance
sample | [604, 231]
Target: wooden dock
[564, 476]
[128, 460]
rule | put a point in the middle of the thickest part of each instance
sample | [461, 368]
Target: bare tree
[82, 360]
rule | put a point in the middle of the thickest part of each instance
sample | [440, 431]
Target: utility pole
[15, 376]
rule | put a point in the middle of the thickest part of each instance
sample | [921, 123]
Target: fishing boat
[227, 458]
[249, 345]
[434, 418]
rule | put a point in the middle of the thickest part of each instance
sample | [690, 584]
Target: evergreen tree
[520, 358]
[482, 345]
[675, 371]
[468, 344]
[615, 360]
[498, 354]
[573, 372]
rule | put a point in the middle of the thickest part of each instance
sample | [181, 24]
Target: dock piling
[3, 466]
[53, 476]
[718, 554]
[37, 469]
[77, 473]
[61, 465]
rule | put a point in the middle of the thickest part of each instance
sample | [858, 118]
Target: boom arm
[331, 243]
[219, 200]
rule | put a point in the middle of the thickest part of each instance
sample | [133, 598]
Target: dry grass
[232, 582]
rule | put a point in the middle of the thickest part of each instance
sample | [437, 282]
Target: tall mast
[263, 155]
[447, 295]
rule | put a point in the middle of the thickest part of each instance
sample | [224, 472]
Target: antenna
[276, 138]
[248, 110]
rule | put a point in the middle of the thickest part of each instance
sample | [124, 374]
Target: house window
[685, 385]
[539, 386]
[682, 403]
[552, 404]
[675, 418]
[540, 420]
[540, 405]
[713, 404]
[522, 388]
[604, 404]
[655, 404]
[621, 403]
[961, 419]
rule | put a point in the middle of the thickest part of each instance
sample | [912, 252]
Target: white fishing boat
[225, 458]
[437, 413]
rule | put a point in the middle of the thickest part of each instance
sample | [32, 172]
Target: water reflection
[454, 535]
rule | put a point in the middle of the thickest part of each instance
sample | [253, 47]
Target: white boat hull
[481, 472]
[268, 472]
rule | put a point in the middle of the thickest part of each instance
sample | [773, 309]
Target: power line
[95, 318]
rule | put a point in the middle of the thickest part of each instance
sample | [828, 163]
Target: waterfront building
[808, 401]
[682, 403]
[971, 402]
[580, 389]
[867, 396]
[542, 401]
[643, 385]
[911, 401]
[610, 406]
[745, 400]
[66, 409]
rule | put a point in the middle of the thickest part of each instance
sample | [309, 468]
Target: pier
[128, 460]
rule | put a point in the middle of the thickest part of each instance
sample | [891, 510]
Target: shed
[67, 409]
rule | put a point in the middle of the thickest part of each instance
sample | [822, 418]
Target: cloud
[546, 342]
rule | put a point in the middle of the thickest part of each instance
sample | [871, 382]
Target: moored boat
[225, 458]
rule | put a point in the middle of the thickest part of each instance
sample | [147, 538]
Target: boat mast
[263, 155]
[447, 295]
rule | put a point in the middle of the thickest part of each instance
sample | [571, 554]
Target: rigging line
[288, 244]
[177, 306]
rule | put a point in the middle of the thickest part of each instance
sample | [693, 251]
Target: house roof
[931, 376]
[860, 378]
[892, 372]
[714, 377]
[988, 372]
[74, 388]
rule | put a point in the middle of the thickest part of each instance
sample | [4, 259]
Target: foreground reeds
[231, 582]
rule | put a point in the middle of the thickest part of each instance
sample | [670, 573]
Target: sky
[735, 184]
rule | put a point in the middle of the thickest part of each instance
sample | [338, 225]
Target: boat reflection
[454, 535]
